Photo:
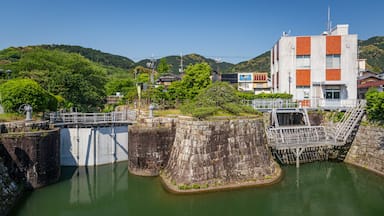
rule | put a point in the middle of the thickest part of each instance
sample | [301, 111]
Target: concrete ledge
[276, 178]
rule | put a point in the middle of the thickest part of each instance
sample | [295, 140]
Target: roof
[371, 84]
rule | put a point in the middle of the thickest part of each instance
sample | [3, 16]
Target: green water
[316, 189]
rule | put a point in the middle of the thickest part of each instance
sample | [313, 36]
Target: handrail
[75, 117]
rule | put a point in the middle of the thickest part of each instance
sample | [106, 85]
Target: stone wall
[10, 190]
[215, 153]
[33, 157]
[367, 149]
[149, 145]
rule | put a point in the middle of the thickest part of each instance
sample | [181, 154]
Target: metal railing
[271, 103]
[293, 137]
[308, 103]
[75, 117]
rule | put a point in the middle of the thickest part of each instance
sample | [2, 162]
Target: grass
[167, 112]
[7, 117]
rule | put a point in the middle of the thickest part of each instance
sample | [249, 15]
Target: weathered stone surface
[33, 156]
[367, 149]
[10, 191]
[149, 146]
[219, 152]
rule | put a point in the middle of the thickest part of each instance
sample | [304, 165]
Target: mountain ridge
[371, 49]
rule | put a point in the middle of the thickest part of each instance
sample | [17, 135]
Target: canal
[322, 188]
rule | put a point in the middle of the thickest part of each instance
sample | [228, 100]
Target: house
[369, 80]
[261, 83]
[245, 81]
[319, 70]
[166, 79]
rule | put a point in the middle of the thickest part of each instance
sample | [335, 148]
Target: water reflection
[313, 189]
[87, 185]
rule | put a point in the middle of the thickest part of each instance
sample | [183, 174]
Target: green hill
[97, 56]
[260, 63]
[174, 61]
[372, 49]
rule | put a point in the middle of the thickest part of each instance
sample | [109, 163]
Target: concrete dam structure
[89, 139]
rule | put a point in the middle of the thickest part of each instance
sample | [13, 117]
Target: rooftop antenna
[329, 22]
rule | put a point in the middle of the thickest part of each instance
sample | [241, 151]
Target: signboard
[245, 77]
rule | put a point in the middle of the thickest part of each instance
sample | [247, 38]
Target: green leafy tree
[196, 78]
[76, 79]
[375, 105]
[17, 92]
[219, 96]
[163, 67]
[119, 85]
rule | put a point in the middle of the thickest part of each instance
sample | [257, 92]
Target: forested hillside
[95, 55]
[73, 79]
[373, 50]
[174, 62]
[260, 63]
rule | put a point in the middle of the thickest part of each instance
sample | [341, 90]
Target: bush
[196, 186]
[375, 105]
[218, 97]
[203, 112]
[232, 108]
[17, 92]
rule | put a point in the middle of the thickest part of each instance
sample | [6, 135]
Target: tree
[17, 92]
[76, 79]
[375, 105]
[219, 96]
[163, 67]
[119, 85]
[196, 78]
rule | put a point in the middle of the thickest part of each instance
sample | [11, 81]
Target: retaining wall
[367, 149]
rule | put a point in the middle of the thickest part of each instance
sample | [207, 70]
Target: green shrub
[375, 105]
[232, 108]
[203, 112]
[195, 186]
[218, 97]
[17, 92]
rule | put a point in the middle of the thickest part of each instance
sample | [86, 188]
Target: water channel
[322, 188]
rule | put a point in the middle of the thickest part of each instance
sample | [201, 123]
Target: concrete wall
[367, 149]
[219, 152]
[93, 146]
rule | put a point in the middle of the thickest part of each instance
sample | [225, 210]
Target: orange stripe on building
[303, 45]
[333, 45]
[332, 74]
[303, 77]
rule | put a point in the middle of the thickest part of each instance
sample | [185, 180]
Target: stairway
[349, 121]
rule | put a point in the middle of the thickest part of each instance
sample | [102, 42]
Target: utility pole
[151, 65]
[181, 69]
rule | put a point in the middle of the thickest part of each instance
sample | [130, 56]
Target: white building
[245, 81]
[317, 70]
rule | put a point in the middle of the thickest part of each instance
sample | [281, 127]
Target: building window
[303, 61]
[333, 62]
[332, 94]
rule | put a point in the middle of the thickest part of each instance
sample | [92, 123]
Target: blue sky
[233, 31]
